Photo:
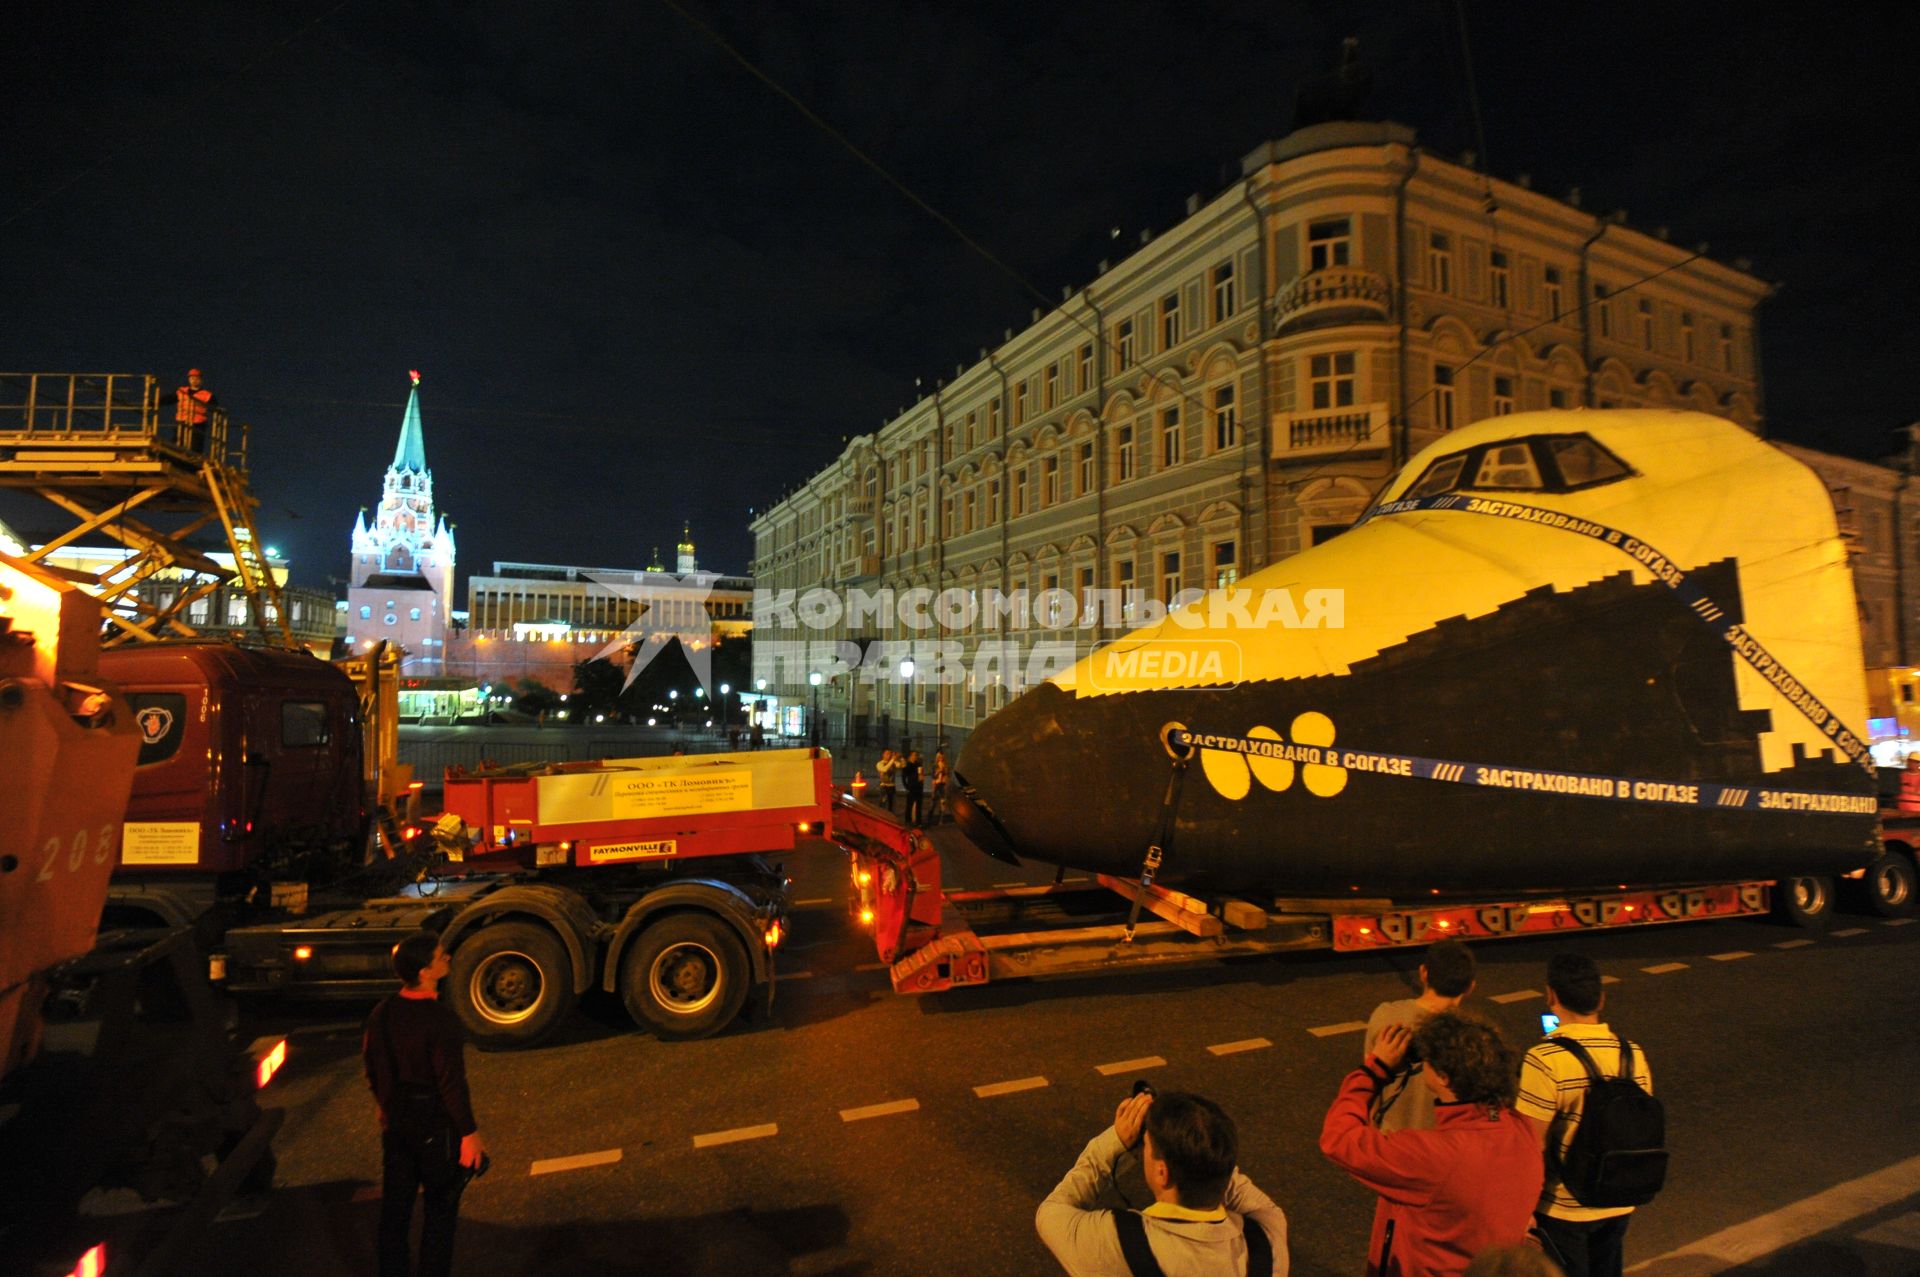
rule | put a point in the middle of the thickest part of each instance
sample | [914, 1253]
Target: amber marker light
[93, 1263]
[866, 917]
[773, 936]
[270, 1064]
[302, 952]
[866, 878]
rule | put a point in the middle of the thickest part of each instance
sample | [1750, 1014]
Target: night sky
[644, 288]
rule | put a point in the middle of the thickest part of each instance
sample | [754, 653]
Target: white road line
[992, 1089]
[735, 1135]
[793, 975]
[1850, 931]
[1808, 1217]
[1609, 979]
[819, 900]
[1234, 1048]
[605, 1157]
[1130, 1066]
[1518, 995]
[1801, 943]
[1329, 1030]
[1730, 956]
[1896, 922]
[880, 1110]
[1664, 968]
[874, 966]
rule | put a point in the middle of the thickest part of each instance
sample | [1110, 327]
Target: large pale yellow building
[1234, 390]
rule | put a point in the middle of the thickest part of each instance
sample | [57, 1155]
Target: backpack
[1618, 1155]
[1139, 1256]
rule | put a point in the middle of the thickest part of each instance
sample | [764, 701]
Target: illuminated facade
[401, 587]
[1237, 388]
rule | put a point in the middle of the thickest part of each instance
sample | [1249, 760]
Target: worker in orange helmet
[194, 413]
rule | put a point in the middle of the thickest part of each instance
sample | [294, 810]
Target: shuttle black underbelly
[1612, 679]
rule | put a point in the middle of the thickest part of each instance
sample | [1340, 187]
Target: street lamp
[813, 679]
[906, 708]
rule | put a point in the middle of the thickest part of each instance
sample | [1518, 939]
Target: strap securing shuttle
[1174, 736]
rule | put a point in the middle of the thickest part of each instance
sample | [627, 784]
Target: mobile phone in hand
[1548, 1022]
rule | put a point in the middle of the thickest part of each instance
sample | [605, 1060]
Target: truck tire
[684, 976]
[510, 985]
[1806, 901]
[1890, 885]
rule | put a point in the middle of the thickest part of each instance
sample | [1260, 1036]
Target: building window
[1331, 379]
[1050, 482]
[1123, 344]
[1497, 275]
[1686, 336]
[969, 510]
[1019, 403]
[413, 614]
[1086, 469]
[1502, 396]
[1440, 262]
[1556, 398]
[1646, 323]
[1726, 348]
[1086, 368]
[1086, 591]
[973, 425]
[1225, 570]
[993, 501]
[1223, 291]
[946, 517]
[392, 619]
[1553, 292]
[1226, 421]
[920, 526]
[1443, 396]
[1329, 243]
[1169, 576]
[1170, 321]
[1020, 492]
[1053, 385]
[1123, 581]
[993, 419]
[1124, 451]
[1170, 436]
[366, 613]
[1603, 313]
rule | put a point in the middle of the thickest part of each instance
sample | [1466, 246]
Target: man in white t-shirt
[1446, 978]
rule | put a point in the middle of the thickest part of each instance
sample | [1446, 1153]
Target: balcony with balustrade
[1335, 295]
[1358, 430]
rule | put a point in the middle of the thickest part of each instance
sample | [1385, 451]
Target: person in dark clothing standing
[429, 1141]
[913, 781]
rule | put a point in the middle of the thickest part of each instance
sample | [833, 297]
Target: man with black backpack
[429, 1141]
[1588, 1093]
[1206, 1220]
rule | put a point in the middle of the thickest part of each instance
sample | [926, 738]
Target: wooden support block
[1189, 913]
[1243, 915]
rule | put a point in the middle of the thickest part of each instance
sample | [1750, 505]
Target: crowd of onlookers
[1483, 1162]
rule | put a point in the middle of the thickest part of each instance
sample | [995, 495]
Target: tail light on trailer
[268, 1063]
[92, 1264]
[774, 933]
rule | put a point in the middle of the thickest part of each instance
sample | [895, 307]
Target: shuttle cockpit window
[1544, 463]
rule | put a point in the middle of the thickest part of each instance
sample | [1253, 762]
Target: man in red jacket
[1448, 1193]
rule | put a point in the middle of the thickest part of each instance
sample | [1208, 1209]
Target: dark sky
[643, 287]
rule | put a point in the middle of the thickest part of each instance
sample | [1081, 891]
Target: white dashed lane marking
[1130, 1066]
[1518, 995]
[1609, 979]
[1234, 1048]
[1729, 957]
[736, 1135]
[1664, 968]
[818, 900]
[547, 1166]
[879, 1110]
[793, 975]
[1332, 1030]
[1896, 922]
[992, 1089]
[1850, 931]
[1792, 944]
[1002, 886]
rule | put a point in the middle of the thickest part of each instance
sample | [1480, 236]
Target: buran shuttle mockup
[1562, 650]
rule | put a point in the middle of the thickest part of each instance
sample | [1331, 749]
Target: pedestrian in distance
[194, 406]
[757, 737]
[1448, 1193]
[430, 1144]
[1446, 978]
[1207, 1218]
[1587, 1202]
[913, 783]
[941, 776]
[888, 771]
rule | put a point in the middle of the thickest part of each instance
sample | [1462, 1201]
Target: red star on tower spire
[415, 374]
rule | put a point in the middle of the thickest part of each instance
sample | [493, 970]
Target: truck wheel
[1806, 901]
[511, 985]
[1890, 885]
[684, 977]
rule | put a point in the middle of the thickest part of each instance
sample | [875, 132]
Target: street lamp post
[813, 679]
[906, 711]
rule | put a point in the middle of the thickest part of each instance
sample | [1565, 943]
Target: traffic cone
[859, 784]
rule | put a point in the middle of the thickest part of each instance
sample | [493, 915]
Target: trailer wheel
[1806, 901]
[511, 985]
[685, 976]
[1890, 885]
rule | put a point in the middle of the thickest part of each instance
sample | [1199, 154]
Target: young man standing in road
[1588, 1241]
[1207, 1219]
[429, 1141]
[1405, 1103]
[1448, 1193]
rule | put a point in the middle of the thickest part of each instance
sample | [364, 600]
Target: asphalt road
[854, 1138]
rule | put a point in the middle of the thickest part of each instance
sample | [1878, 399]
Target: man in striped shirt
[1553, 1090]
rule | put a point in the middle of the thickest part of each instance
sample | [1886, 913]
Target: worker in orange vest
[194, 413]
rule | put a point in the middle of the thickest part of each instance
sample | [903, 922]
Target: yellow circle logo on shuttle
[1232, 774]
